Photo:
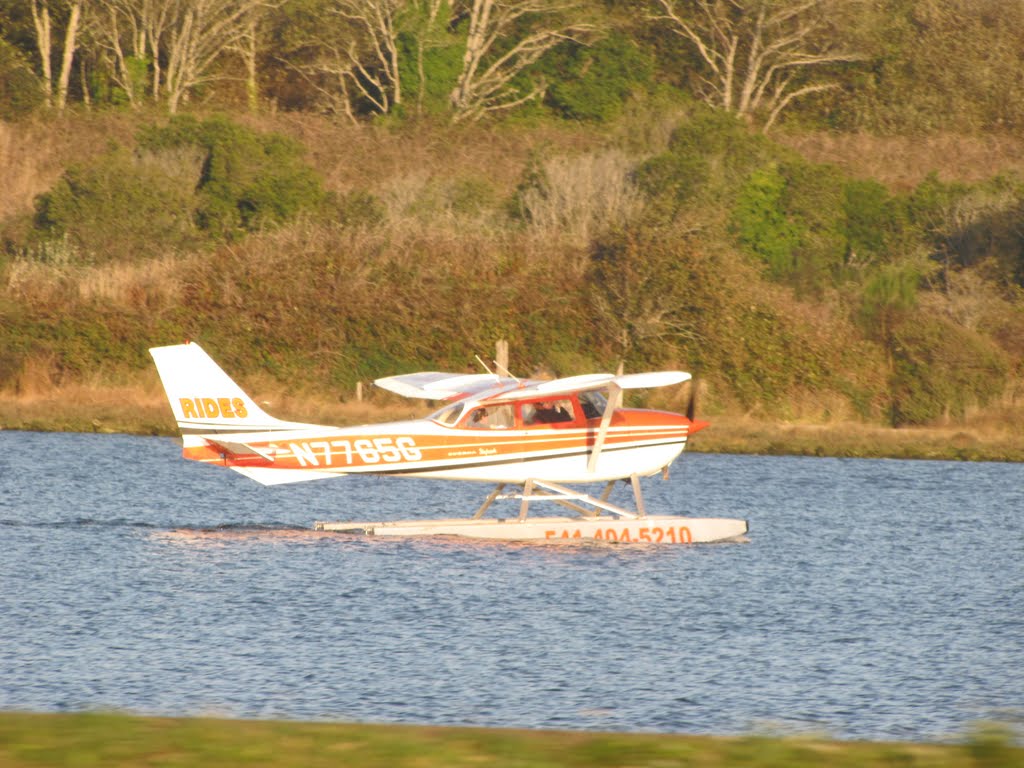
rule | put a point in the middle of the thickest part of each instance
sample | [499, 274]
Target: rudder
[204, 398]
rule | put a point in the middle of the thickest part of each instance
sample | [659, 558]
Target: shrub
[593, 83]
[120, 207]
[249, 180]
[966, 224]
[762, 225]
[709, 155]
[21, 92]
[188, 182]
[876, 225]
[940, 368]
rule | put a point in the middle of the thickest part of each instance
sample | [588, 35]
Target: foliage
[875, 223]
[120, 207]
[896, 65]
[942, 369]
[188, 182]
[815, 228]
[893, 300]
[931, 66]
[708, 155]
[644, 287]
[430, 59]
[594, 82]
[761, 222]
[249, 180]
[966, 224]
[21, 91]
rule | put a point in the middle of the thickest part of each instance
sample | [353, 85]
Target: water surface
[874, 600]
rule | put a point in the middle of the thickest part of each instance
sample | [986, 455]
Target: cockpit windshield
[449, 415]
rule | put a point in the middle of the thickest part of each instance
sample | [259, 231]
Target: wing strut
[614, 402]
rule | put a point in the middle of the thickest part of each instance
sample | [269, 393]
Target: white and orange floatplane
[531, 437]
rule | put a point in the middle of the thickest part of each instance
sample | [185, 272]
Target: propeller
[691, 406]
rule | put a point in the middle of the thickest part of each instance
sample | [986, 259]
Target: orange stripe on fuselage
[348, 451]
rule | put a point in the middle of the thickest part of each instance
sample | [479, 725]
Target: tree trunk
[69, 54]
[44, 31]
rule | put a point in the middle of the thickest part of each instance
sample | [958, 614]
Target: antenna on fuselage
[506, 371]
[484, 365]
[488, 368]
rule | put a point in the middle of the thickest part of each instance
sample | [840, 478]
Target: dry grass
[34, 153]
[975, 441]
[902, 162]
[995, 434]
[369, 157]
[583, 195]
[151, 284]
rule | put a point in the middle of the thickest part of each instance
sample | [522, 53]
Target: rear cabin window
[548, 412]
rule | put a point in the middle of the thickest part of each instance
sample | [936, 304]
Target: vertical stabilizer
[204, 399]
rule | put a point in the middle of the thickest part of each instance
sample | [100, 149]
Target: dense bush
[814, 227]
[188, 182]
[941, 369]
[123, 206]
[708, 156]
[21, 92]
[594, 82]
[248, 180]
[967, 224]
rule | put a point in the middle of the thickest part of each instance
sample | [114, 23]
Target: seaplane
[531, 439]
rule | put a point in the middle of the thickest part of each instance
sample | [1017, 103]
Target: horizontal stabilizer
[271, 476]
[241, 449]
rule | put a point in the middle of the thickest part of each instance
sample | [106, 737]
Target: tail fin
[204, 399]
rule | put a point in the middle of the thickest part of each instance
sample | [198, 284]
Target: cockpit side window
[593, 404]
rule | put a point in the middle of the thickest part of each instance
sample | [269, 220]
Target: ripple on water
[875, 599]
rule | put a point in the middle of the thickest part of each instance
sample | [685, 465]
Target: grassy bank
[144, 411]
[117, 740]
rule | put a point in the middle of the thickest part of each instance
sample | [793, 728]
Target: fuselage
[639, 442]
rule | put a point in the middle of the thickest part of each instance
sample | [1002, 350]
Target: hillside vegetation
[832, 258]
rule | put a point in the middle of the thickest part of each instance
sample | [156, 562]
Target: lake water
[874, 599]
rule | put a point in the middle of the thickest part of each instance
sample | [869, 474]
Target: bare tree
[757, 54]
[44, 43]
[355, 55]
[504, 38]
[198, 34]
[43, 23]
[248, 48]
[177, 41]
[115, 29]
[70, 33]
[372, 53]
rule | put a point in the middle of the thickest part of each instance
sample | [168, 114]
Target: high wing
[589, 381]
[435, 385]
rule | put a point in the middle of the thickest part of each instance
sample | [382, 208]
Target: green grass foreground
[111, 740]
